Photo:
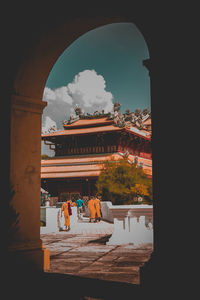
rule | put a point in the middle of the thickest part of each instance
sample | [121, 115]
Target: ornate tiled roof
[85, 166]
[79, 131]
[81, 123]
[137, 123]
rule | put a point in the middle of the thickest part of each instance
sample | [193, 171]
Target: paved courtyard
[82, 251]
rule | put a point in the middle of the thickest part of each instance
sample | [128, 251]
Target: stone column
[25, 161]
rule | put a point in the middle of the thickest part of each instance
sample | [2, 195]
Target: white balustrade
[54, 221]
[130, 225]
[133, 224]
[120, 234]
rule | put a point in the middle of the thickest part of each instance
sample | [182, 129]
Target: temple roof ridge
[136, 119]
[138, 122]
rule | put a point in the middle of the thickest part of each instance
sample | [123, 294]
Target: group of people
[94, 206]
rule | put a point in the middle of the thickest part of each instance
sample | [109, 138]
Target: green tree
[44, 156]
[119, 180]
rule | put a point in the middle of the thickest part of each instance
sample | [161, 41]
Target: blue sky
[109, 60]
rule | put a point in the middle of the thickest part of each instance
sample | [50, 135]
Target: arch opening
[27, 107]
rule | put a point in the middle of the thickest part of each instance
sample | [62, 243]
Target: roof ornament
[139, 122]
[73, 118]
[96, 113]
[137, 118]
[121, 122]
[128, 115]
[129, 119]
[146, 112]
[78, 110]
[49, 129]
[117, 117]
[65, 122]
[117, 106]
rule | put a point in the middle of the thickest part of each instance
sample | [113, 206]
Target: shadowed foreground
[42, 285]
[88, 256]
[82, 266]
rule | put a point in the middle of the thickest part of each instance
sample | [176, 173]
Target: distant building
[86, 142]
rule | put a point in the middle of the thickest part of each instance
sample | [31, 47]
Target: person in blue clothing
[80, 205]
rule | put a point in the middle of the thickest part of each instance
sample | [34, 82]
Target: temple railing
[133, 224]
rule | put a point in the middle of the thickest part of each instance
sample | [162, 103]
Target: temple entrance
[56, 188]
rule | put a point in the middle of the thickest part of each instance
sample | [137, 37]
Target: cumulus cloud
[49, 95]
[59, 105]
[88, 90]
[59, 94]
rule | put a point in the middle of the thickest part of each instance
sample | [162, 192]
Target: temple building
[86, 142]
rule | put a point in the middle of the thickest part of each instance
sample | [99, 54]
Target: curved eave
[82, 131]
[138, 134]
[94, 130]
[84, 166]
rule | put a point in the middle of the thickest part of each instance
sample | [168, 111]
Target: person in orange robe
[92, 210]
[65, 208]
[97, 205]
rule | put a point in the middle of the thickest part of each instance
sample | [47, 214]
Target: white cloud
[87, 90]
[49, 94]
[59, 94]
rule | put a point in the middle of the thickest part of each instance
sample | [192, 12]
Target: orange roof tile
[83, 166]
[79, 159]
[89, 158]
[88, 122]
[72, 174]
[70, 171]
[83, 131]
[109, 128]
[147, 122]
[142, 133]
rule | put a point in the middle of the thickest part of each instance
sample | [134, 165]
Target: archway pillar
[152, 267]
[25, 164]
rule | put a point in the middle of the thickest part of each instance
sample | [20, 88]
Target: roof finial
[117, 106]
[78, 110]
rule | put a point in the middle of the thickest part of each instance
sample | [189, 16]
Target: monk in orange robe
[97, 205]
[66, 208]
[92, 210]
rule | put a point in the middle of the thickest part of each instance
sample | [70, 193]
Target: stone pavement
[82, 251]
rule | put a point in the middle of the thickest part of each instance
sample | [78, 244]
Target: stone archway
[26, 112]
